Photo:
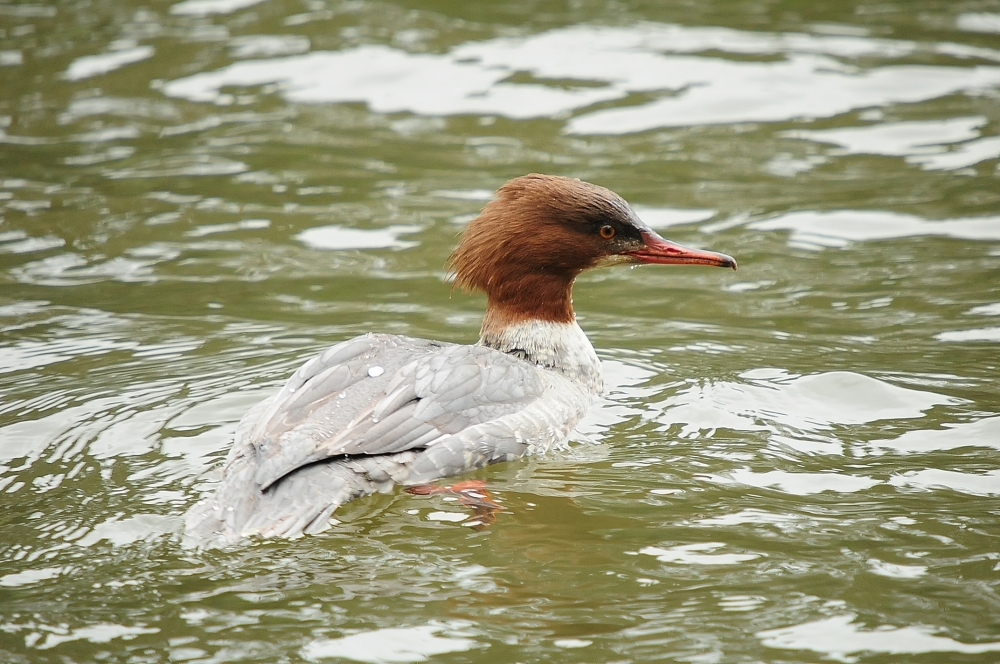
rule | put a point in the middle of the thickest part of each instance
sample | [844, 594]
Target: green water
[796, 462]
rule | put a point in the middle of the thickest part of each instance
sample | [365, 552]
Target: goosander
[381, 409]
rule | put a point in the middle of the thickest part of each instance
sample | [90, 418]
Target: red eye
[607, 232]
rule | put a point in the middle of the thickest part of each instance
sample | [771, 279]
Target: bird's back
[371, 412]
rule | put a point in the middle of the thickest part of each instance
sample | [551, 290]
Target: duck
[381, 410]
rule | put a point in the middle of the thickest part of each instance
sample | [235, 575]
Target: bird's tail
[299, 504]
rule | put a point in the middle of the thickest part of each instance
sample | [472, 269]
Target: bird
[381, 410]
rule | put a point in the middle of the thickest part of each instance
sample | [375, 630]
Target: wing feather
[333, 407]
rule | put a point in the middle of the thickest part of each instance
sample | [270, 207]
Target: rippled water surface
[797, 462]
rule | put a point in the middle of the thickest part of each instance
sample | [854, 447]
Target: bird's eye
[607, 232]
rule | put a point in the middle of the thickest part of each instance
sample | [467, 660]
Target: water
[797, 462]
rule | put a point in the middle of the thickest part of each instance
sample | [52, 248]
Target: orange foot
[471, 493]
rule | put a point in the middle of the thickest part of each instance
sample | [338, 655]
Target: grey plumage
[371, 412]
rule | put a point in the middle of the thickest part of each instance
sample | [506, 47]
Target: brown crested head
[528, 245]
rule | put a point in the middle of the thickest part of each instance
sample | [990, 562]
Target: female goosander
[382, 409]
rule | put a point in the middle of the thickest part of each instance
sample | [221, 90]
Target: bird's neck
[556, 345]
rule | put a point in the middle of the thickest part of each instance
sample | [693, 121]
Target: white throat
[559, 347]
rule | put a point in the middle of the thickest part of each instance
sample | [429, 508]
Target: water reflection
[933, 145]
[698, 554]
[413, 644]
[798, 484]
[817, 230]
[208, 7]
[839, 637]
[775, 400]
[94, 65]
[807, 83]
[796, 461]
[338, 237]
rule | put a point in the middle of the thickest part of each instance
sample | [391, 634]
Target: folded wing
[383, 394]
